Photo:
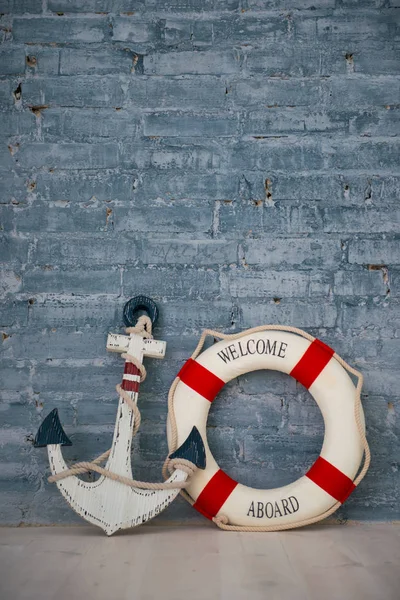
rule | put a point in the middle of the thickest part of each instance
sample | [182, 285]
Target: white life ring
[328, 482]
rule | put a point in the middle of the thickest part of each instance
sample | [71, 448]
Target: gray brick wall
[239, 162]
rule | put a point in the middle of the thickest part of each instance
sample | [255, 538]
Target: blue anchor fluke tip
[51, 432]
[192, 449]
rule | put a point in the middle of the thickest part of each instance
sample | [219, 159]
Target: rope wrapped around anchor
[143, 328]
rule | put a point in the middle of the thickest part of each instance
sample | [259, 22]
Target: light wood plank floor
[324, 562]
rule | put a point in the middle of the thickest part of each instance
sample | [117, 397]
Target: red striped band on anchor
[131, 378]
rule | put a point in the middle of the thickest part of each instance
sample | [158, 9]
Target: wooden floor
[343, 562]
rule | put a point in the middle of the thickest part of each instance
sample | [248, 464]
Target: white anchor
[109, 503]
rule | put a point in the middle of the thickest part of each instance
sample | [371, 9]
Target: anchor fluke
[51, 432]
[192, 449]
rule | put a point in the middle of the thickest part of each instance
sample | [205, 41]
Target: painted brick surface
[236, 161]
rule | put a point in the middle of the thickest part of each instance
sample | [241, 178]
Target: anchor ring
[137, 306]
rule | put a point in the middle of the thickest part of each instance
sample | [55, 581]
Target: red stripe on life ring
[215, 494]
[200, 379]
[313, 361]
[331, 480]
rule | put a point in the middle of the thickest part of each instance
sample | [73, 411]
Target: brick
[13, 249]
[266, 410]
[77, 6]
[175, 125]
[14, 377]
[55, 344]
[59, 216]
[178, 317]
[201, 33]
[42, 60]
[279, 155]
[173, 283]
[181, 217]
[173, 185]
[393, 284]
[74, 91]
[253, 218]
[8, 152]
[60, 29]
[188, 252]
[246, 29]
[375, 318]
[50, 280]
[93, 251]
[280, 59]
[375, 252]
[352, 25]
[377, 60]
[65, 311]
[279, 92]
[68, 156]
[262, 284]
[293, 120]
[296, 457]
[171, 155]
[6, 94]
[288, 312]
[78, 61]
[381, 156]
[304, 414]
[17, 123]
[21, 6]
[62, 216]
[295, 4]
[83, 186]
[86, 124]
[13, 313]
[387, 352]
[363, 92]
[359, 283]
[136, 30]
[381, 381]
[73, 378]
[207, 92]
[178, 31]
[333, 190]
[365, 3]
[343, 220]
[196, 63]
[184, 5]
[309, 253]
[376, 123]
[10, 282]
[12, 61]
[13, 190]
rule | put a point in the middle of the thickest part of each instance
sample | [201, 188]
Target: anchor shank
[119, 460]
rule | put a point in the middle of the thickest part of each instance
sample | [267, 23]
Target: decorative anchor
[116, 501]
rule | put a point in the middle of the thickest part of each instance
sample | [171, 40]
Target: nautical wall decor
[116, 501]
[332, 478]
